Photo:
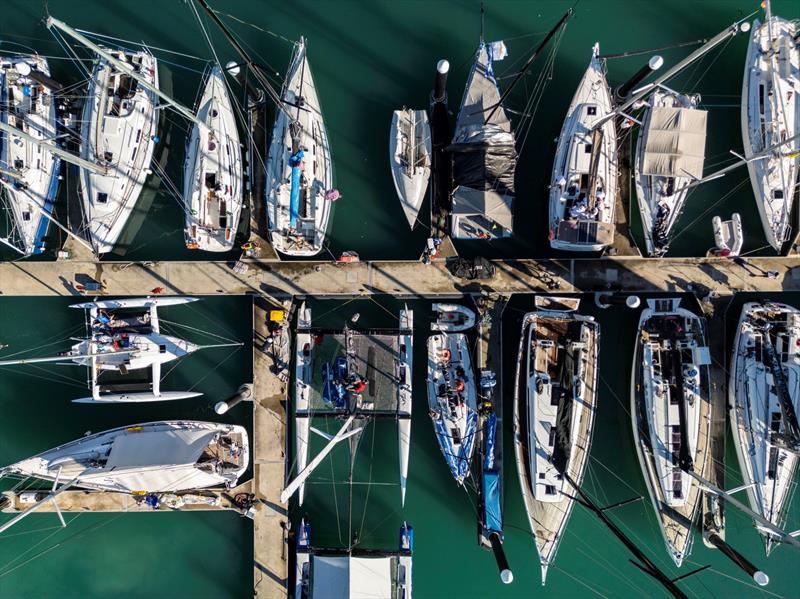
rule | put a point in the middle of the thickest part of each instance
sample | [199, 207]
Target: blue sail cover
[334, 393]
[492, 512]
[491, 431]
[458, 462]
[296, 162]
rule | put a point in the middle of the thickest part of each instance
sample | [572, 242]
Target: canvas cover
[675, 142]
[491, 204]
[343, 577]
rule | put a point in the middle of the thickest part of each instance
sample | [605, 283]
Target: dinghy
[118, 132]
[28, 172]
[583, 189]
[484, 156]
[452, 400]
[770, 113]
[671, 416]
[212, 179]
[452, 318]
[410, 158]
[555, 400]
[764, 395]
[670, 153]
[123, 336]
[155, 457]
[728, 235]
[299, 171]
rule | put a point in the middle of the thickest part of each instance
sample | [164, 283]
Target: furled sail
[675, 142]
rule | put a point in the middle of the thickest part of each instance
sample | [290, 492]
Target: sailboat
[120, 123]
[212, 180]
[484, 156]
[410, 159]
[583, 189]
[671, 416]
[356, 573]
[555, 400]
[771, 114]
[452, 400]
[156, 457]
[670, 153]
[764, 398]
[299, 170]
[28, 172]
[385, 366]
[124, 335]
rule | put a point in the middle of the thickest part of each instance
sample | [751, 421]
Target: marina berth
[671, 416]
[410, 159]
[29, 173]
[299, 182]
[764, 399]
[583, 188]
[555, 400]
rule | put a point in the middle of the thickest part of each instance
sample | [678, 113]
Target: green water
[369, 59]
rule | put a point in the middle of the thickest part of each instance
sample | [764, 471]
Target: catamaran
[410, 159]
[670, 153]
[156, 457]
[764, 398]
[299, 170]
[452, 400]
[555, 400]
[28, 171]
[365, 375]
[770, 115]
[671, 416]
[122, 336]
[332, 573]
[583, 189]
[212, 180]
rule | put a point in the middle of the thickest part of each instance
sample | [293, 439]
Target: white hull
[298, 228]
[670, 374]
[769, 470]
[582, 208]
[29, 106]
[770, 112]
[410, 159]
[118, 132]
[212, 178]
[452, 318]
[405, 394]
[304, 345]
[156, 457]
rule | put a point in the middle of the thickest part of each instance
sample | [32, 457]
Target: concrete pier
[284, 280]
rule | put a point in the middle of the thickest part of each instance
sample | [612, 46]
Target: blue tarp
[491, 428]
[334, 393]
[492, 511]
[295, 161]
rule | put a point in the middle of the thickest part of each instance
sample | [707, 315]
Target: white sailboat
[770, 115]
[299, 170]
[555, 400]
[212, 179]
[452, 400]
[405, 377]
[120, 123]
[410, 159]
[304, 361]
[671, 416]
[764, 399]
[28, 171]
[583, 189]
[122, 336]
[670, 153]
[155, 457]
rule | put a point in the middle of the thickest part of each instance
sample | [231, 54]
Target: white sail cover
[347, 577]
[493, 205]
[675, 143]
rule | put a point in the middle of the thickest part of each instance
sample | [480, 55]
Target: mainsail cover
[675, 142]
[566, 396]
[484, 153]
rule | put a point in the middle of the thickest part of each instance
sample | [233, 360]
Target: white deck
[410, 159]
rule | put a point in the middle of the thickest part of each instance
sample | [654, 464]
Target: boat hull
[410, 159]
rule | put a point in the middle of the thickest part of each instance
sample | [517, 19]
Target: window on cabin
[777, 194]
[587, 148]
[102, 198]
[549, 490]
[591, 110]
[552, 440]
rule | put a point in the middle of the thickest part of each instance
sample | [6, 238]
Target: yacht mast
[125, 68]
[53, 149]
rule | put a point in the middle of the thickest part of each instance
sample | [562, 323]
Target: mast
[67, 358]
[125, 68]
[790, 438]
[530, 60]
[53, 149]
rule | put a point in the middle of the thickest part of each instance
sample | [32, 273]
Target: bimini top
[675, 142]
[153, 457]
